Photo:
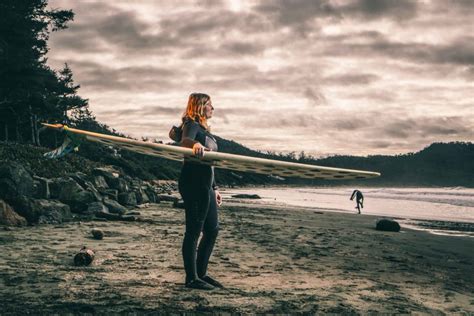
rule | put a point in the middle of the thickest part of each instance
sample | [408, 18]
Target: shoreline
[272, 260]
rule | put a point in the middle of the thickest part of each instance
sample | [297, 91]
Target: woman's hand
[218, 198]
[198, 150]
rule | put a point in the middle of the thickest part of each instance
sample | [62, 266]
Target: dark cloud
[375, 9]
[102, 77]
[459, 51]
[350, 79]
[315, 96]
[429, 126]
[141, 112]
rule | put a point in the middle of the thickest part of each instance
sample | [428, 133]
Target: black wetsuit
[196, 186]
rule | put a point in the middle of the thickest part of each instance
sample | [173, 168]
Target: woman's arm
[190, 130]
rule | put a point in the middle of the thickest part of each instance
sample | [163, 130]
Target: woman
[199, 192]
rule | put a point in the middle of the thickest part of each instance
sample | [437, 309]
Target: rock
[111, 194]
[388, 225]
[43, 211]
[100, 183]
[9, 217]
[118, 184]
[127, 198]
[142, 198]
[80, 177]
[15, 181]
[95, 207]
[150, 192]
[70, 192]
[97, 234]
[84, 257]
[41, 188]
[114, 206]
[246, 196]
[109, 173]
[168, 198]
[178, 204]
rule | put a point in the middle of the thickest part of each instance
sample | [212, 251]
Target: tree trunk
[32, 126]
[17, 129]
[37, 132]
[6, 132]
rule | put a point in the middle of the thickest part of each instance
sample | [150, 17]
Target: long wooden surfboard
[224, 160]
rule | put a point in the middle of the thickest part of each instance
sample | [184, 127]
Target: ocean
[440, 204]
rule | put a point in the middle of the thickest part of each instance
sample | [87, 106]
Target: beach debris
[388, 225]
[97, 234]
[168, 198]
[246, 196]
[84, 257]
[116, 217]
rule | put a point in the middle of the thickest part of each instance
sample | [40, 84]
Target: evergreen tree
[29, 88]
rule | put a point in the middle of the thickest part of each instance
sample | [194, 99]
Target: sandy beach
[271, 260]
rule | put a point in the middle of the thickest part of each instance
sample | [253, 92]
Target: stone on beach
[97, 234]
[388, 225]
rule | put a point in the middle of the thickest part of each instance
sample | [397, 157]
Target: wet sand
[272, 260]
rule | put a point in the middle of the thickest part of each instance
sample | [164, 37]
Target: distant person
[359, 199]
[200, 195]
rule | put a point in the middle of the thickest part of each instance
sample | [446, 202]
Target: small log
[84, 257]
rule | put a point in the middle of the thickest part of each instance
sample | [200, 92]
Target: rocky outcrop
[9, 217]
[103, 193]
[38, 211]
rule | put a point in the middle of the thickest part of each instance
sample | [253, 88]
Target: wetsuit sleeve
[190, 130]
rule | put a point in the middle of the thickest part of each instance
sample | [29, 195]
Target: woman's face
[208, 109]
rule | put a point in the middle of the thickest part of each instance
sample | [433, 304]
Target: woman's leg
[209, 235]
[196, 204]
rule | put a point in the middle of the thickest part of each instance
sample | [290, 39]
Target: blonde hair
[195, 109]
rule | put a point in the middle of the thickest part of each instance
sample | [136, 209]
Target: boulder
[111, 194]
[109, 173]
[114, 206]
[150, 192]
[42, 211]
[70, 192]
[9, 217]
[127, 198]
[80, 177]
[41, 188]
[95, 207]
[100, 183]
[15, 181]
[118, 184]
[142, 198]
[388, 225]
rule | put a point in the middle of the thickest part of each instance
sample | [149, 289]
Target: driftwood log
[116, 217]
[84, 257]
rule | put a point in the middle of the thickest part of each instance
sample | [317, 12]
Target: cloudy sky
[326, 77]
